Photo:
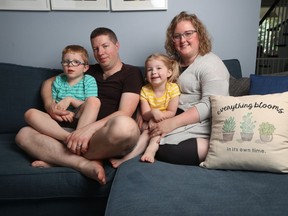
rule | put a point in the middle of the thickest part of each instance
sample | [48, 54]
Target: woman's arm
[190, 116]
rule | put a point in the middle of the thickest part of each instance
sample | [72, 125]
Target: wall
[37, 38]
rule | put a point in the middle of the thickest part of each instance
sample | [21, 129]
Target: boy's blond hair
[76, 49]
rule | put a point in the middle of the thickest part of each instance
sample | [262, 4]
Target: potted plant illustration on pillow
[247, 127]
[228, 129]
[266, 131]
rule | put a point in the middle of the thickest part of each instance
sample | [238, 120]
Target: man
[114, 134]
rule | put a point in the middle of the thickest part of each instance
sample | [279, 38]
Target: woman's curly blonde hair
[205, 45]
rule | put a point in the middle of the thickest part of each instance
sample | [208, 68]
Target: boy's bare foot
[94, 170]
[147, 158]
[41, 164]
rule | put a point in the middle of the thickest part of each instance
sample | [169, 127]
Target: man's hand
[78, 141]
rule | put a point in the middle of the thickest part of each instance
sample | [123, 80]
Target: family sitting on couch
[183, 138]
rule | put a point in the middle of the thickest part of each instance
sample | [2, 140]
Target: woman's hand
[162, 128]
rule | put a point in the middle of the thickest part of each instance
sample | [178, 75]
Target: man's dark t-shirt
[128, 79]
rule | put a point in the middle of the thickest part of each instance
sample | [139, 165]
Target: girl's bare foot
[117, 162]
[41, 164]
[94, 170]
[147, 158]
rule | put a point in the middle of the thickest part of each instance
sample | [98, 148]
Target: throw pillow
[239, 87]
[249, 133]
[268, 84]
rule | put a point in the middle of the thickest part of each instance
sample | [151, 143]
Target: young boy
[72, 91]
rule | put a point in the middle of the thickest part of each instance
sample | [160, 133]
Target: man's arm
[49, 103]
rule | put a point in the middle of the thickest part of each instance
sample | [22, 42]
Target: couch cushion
[166, 189]
[19, 180]
[249, 133]
[21, 85]
[268, 84]
[234, 67]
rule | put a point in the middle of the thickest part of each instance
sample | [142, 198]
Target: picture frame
[34, 5]
[81, 5]
[138, 5]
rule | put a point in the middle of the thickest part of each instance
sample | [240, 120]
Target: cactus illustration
[247, 126]
[229, 125]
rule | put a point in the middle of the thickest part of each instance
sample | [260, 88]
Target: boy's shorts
[74, 123]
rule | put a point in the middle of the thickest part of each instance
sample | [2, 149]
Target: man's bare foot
[41, 164]
[147, 158]
[94, 170]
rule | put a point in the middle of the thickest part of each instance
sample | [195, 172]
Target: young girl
[159, 100]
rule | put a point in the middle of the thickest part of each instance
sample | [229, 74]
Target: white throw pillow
[249, 133]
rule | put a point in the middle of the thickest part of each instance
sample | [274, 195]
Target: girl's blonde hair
[205, 45]
[171, 64]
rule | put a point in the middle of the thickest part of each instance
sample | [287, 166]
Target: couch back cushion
[20, 90]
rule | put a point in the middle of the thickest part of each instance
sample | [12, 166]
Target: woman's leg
[188, 152]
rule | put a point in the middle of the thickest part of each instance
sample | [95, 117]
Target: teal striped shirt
[85, 88]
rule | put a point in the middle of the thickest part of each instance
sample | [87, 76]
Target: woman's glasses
[187, 35]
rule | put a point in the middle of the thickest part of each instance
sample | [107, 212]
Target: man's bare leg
[117, 137]
[51, 151]
[139, 149]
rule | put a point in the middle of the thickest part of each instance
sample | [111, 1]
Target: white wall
[37, 38]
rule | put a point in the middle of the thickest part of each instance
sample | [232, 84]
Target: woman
[185, 137]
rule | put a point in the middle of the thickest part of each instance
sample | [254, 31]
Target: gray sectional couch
[135, 188]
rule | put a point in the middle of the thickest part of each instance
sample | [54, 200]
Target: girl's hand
[151, 123]
[69, 117]
[56, 113]
[157, 115]
[139, 119]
